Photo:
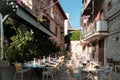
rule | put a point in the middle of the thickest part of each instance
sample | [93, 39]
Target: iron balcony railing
[99, 26]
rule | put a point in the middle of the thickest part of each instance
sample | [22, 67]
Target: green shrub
[75, 35]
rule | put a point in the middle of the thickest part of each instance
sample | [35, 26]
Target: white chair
[19, 70]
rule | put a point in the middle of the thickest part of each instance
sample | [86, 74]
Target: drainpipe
[2, 19]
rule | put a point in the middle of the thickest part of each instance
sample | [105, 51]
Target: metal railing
[99, 26]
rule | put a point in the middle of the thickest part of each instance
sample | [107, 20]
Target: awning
[27, 17]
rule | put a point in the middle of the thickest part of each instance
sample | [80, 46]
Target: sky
[73, 7]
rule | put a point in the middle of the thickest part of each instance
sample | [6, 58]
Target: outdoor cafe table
[39, 66]
[35, 68]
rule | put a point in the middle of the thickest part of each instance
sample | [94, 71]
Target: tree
[76, 35]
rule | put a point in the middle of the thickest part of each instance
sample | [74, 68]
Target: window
[46, 22]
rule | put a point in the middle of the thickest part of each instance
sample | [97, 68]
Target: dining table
[36, 69]
[37, 66]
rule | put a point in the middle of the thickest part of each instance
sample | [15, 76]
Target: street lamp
[2, 19]
[9, 7]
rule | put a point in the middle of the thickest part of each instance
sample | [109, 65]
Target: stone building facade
[113, 20]
[105, 46]
[94, 29]
[50, 13]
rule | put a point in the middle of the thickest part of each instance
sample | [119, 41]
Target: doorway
[101, 51]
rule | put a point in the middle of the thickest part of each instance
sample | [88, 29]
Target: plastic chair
[19, 70]
[49, 71]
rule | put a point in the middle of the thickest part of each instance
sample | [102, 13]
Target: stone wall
[6, 71]
[76, 47]
[113, 43]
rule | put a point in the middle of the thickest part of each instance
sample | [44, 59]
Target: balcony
[87, 8]
[101, 26]
[98, 32]
[87, 3]
[90, 5]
